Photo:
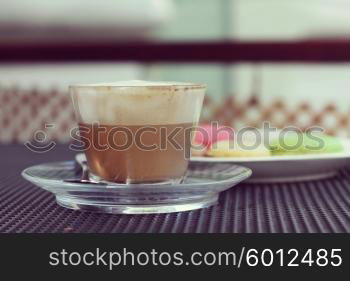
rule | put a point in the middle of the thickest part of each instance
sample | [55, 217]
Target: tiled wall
[321, 87]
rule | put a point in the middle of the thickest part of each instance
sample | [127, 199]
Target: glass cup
[137, 131]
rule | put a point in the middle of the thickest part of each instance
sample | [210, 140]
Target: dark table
[305, 207]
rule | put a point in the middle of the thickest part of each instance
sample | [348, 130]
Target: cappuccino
[137, 131]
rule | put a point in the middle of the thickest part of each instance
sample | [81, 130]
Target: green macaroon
[305, 143]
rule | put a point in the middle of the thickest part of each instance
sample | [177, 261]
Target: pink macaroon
[208, 134]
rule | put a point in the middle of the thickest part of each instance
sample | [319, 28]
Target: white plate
[290, 167]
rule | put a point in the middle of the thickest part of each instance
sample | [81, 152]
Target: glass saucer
[200, 189]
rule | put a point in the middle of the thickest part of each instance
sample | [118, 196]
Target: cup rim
[176, 85]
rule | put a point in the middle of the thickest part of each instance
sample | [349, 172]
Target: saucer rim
[243, 175]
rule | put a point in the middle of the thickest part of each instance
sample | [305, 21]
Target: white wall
[48, 76]
[283, 19]
[289, 19]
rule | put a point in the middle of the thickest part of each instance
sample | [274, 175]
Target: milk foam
[138, 102]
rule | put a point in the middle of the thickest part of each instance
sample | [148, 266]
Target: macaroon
[305, 143]
[206, 135]
[233, 148]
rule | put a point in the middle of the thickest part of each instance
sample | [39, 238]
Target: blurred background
[39, 58]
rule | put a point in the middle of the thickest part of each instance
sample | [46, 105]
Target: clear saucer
[200, 189]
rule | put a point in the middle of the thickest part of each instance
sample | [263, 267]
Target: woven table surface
[305, 207]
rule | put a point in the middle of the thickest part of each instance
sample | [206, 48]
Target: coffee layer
[134, 158]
